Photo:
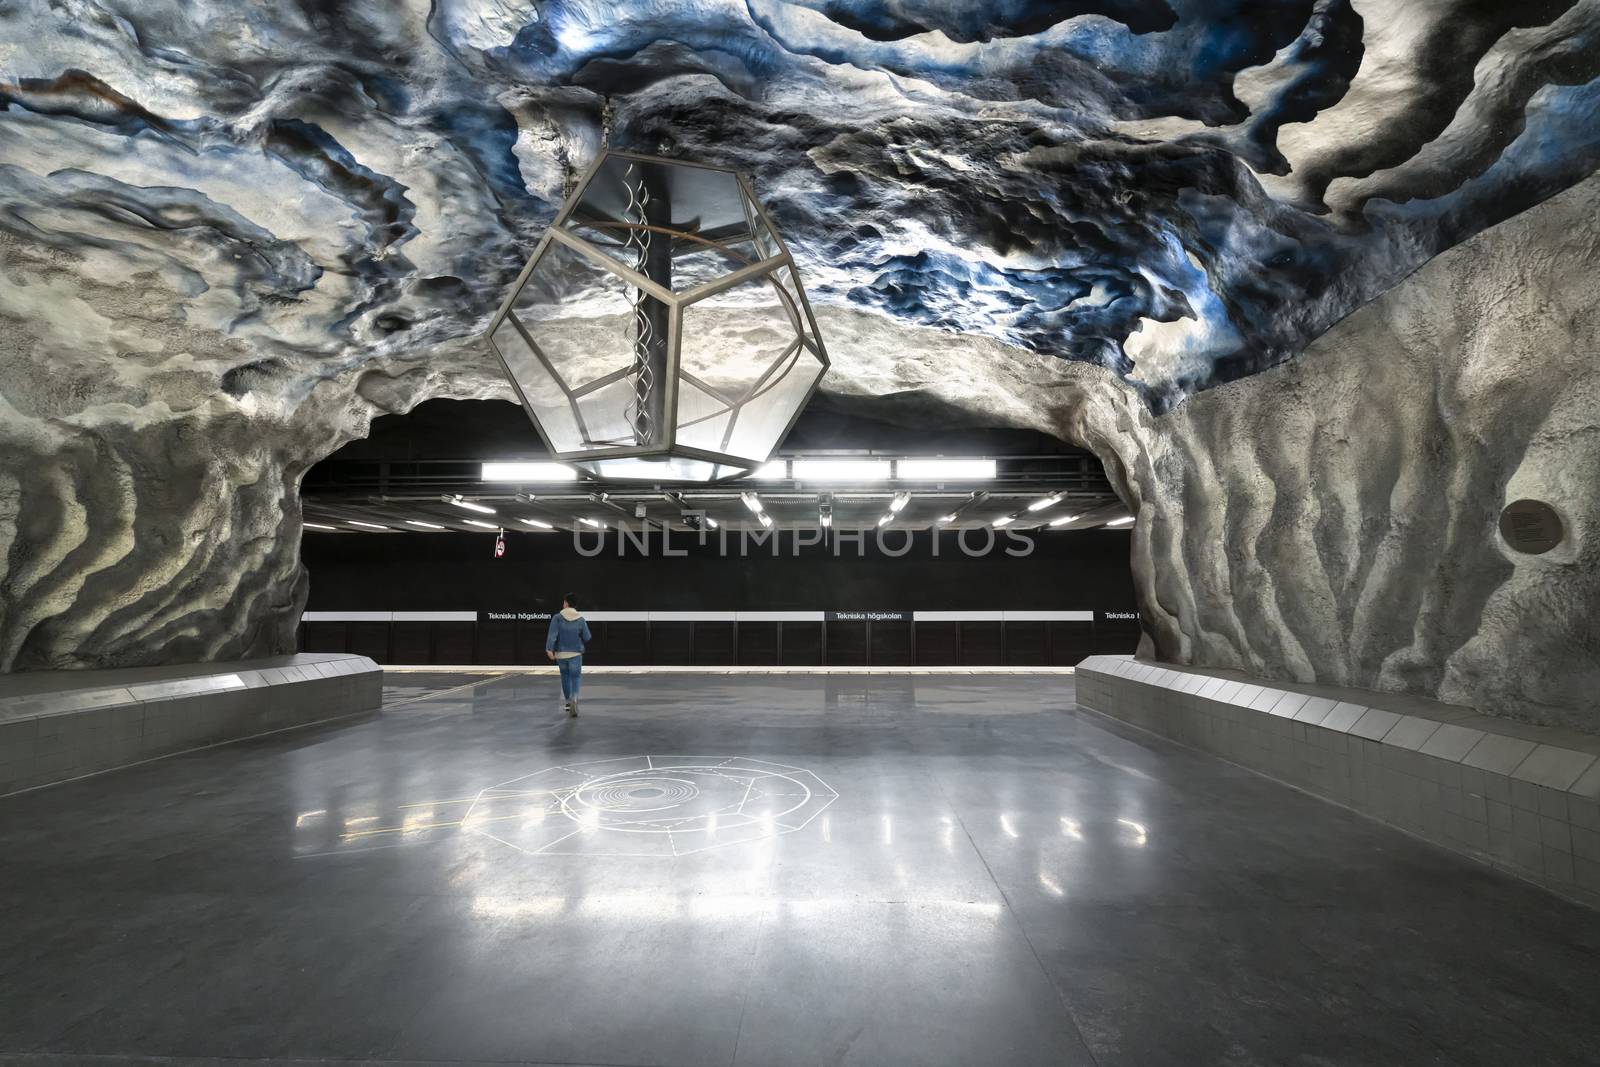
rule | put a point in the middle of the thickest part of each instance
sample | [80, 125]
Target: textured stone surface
[149, 495]
[1335, 519]
[1183, 192]
[229, 237]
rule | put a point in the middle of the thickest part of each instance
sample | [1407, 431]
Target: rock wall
[150, 470]
[1335, 519]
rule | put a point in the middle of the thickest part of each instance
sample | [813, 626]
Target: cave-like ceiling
[1185, 191]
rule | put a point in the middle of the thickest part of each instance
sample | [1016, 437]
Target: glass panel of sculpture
[631, 368]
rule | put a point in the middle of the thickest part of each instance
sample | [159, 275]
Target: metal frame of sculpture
[663, 239]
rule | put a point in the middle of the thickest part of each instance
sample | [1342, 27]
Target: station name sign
[866, 616]
[517, 616]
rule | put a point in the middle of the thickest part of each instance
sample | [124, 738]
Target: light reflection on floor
[934, 872]
[650, 805]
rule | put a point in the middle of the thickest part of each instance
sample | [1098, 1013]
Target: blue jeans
[571, 676]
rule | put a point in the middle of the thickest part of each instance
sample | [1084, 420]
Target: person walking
[569, 633]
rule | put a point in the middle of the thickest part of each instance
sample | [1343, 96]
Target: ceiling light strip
[461, 502]
[840, 470]
[523, 471]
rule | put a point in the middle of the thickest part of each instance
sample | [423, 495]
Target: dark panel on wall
[1026, 644]
[497, 642]
[530, 642]
[891, 644]
[982, 643]
[453, 642]
[444, 572]
[412, 642]
[802, 644]
[1072, 641]
[937, 643]
[621, 643]
[325, 636]
[847, 644]
[370, 639]
[671, 642]
[713, 643]
[758, 643]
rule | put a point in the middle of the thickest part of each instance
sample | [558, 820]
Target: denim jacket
[569, 632]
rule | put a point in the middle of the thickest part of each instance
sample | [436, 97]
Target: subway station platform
[762, 870]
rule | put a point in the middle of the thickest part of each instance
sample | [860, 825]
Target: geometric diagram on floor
[647, 806]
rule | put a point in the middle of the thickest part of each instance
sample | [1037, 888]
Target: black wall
[424, 572]
[458, 572]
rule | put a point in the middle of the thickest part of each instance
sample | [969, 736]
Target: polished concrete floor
[766, 871]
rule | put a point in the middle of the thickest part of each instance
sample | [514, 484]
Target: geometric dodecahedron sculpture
[660, 332]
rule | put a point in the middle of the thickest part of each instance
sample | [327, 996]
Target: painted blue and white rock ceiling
[1183, 192]
[260, 224]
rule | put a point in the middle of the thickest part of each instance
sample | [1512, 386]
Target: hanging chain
[638, 408]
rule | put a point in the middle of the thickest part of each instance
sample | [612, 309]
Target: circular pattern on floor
[648, 805]
[632, 792]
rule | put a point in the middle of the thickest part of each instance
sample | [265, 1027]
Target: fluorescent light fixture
[537, 524]
[1047, 502]
[900, 500]
[766, 520]
[712, 523]
[596, 523]
[480, 522]
[841, 470]
[527, 472]
[317, 526]
[424, 525]
[469, 505]
[368, 525]
[752, 502]
[886, 519]
[933, 470]
[1063, 520]
[1121, 522]
[1004, 520]
[947, 518]
[773, 471]
[825, 520]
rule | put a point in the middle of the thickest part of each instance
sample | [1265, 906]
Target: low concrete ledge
[59, 725]
[1522, 797]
